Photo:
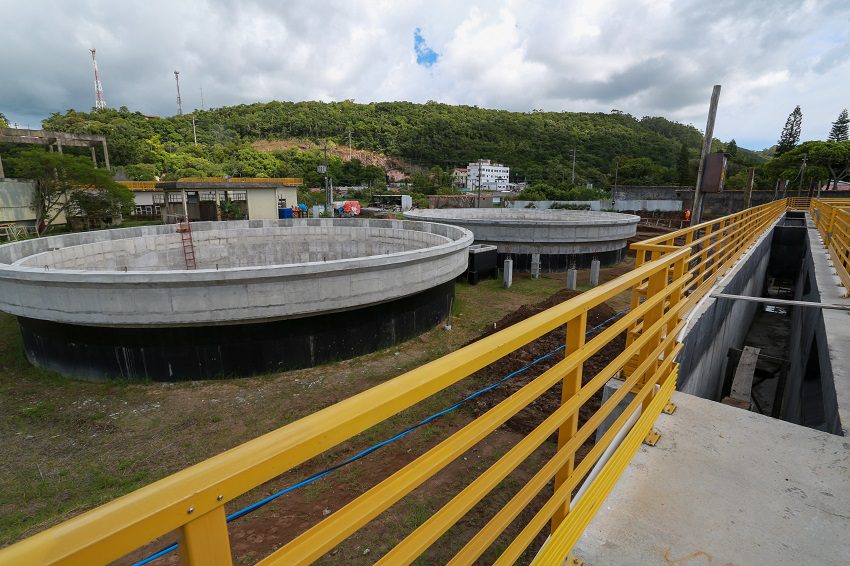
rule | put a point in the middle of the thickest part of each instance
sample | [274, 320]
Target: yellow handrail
[832, 219]
[672, 272]
[288, 181]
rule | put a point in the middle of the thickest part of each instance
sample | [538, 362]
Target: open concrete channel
[753, 466]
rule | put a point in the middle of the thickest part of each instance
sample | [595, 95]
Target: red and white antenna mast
[99, 100]
[179, 102]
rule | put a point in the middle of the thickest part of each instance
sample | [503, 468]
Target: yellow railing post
[576, 329]
[204, 541]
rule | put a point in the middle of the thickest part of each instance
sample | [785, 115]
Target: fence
[832, 219]
[671, 273]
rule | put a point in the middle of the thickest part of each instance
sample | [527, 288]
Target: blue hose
[254, 506]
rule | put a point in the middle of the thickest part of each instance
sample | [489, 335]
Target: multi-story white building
[492, 176]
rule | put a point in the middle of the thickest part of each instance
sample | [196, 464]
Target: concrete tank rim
[447, 215]
[14, 271]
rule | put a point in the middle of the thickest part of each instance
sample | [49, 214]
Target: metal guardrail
[288, 181]
[672, 272]
[832, 219]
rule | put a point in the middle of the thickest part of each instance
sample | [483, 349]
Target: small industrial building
[249, 198]
[147, 197]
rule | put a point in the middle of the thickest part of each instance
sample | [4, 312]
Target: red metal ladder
[185, 229]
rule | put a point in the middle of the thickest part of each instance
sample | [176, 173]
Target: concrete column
[535, 266]
[594, 272]
[508, 274]
[572, 278]
[106, 156]
[93, 156]
[2, 174]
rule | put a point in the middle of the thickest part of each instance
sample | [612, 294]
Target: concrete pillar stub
[508, 273]
[535, 266]
[594, 272]
[572, 279]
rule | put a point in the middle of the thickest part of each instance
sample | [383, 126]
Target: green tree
[683, 166]
[790, 136]
[66, 182]
[4, 123]
[839, 131]
[732, 148]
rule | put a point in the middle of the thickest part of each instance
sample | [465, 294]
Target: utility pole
[696, 216]
[802, 174]
[478, 200]
[573, 176]
[616, 171]
[99, 100]
[179, 102]
[194, 131]
[750, 180]
[328, 194]
[202, 97]
[349, 145]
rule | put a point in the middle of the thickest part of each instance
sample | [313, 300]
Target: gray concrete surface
[715, 325]
[833, 337]
[726, 486]
[526, 231]
[335, 264]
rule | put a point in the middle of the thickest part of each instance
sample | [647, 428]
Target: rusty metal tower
[179, 102]
[99, 100]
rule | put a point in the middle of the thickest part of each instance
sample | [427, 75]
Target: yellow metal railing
[799, 203]
[140, 185]
[288, 181]
[832, 219]
[672, 272]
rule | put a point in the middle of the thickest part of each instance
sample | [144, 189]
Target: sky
[643, 57]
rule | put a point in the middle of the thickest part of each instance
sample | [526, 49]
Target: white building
[492, 176]
[460, 178]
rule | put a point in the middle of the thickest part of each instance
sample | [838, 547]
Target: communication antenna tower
[99, 100]
[179, 102]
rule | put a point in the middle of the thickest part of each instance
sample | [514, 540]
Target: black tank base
[560, 262]
[206, 352]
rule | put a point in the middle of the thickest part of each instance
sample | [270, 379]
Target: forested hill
[536, 145]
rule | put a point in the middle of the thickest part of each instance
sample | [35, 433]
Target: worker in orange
[687, 215]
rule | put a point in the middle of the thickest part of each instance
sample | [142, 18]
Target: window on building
[175, 197]
[208, 196]
[158, 198]
[281, 202]
[236, 196]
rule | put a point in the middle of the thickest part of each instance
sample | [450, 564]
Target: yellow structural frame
[672, 272]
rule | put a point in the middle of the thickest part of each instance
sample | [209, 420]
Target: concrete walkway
[726, 486]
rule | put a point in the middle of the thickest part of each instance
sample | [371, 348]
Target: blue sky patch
[425, 56]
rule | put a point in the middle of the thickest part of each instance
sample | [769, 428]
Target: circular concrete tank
[266, 295]
[559, 236]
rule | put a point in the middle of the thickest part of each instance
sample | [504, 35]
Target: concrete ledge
[726, 486]
[539, 231]
[260, 292]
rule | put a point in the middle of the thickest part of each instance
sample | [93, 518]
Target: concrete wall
[289, 193]
[262, 204]
[526, 231]
[16, 198]
[820, 335]
[240, 294]
[681, 198]
[715, 325]
[648, 205]
[547, 204]
[237, 248]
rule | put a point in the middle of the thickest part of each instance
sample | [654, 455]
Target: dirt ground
[72, 445]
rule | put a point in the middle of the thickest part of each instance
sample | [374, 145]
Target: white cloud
[642, 57]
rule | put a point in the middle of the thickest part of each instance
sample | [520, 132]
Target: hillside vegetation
[536, 145]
